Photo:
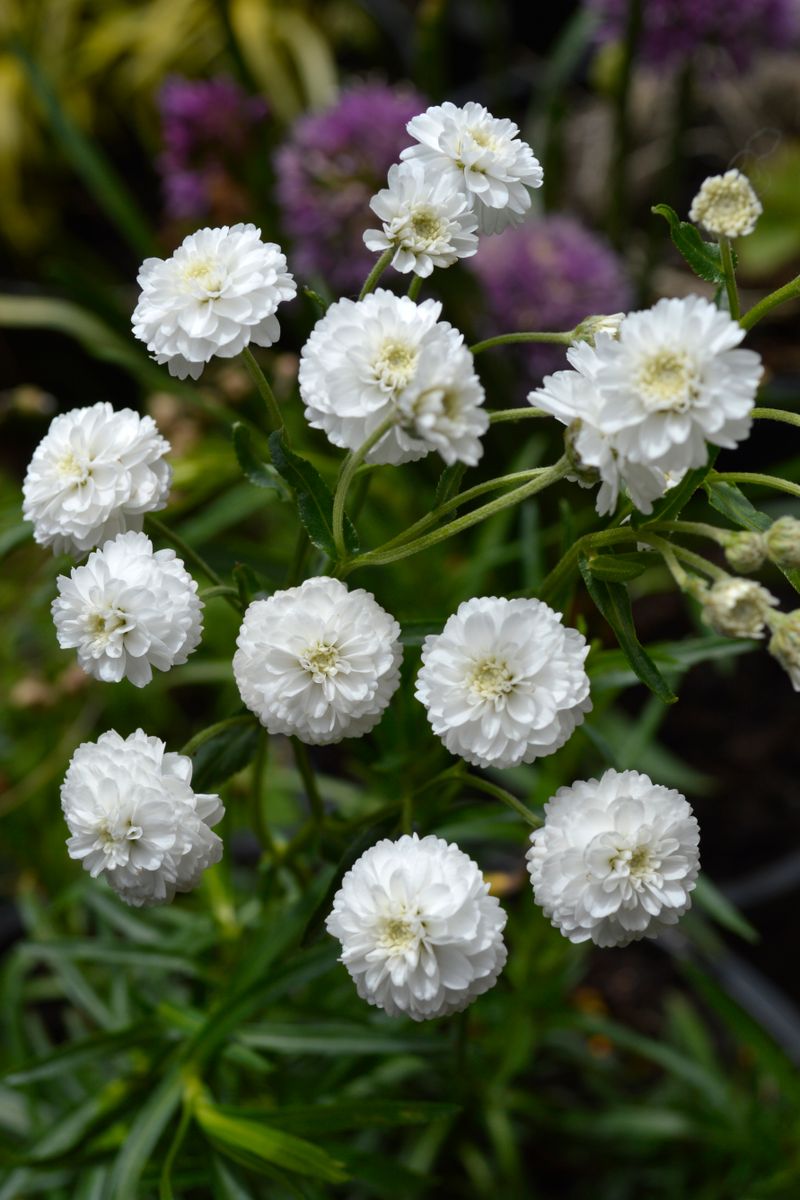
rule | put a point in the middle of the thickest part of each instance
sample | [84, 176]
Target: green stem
[219, 590]
[553, 583]
[693, 529]
[414, 287]
[511, 339]
[212, 730]
[547, 476]
[730, 276]
[349, 468]
[492, 789]
[776, 414]
[165, 1191]
[670, 551]
[193, 557]
[376, 272]
[309, 781]
[789, 291]
[264, 390]
[780, 485]
[515, 414]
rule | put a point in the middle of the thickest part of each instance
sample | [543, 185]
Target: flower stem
[773, 481]
[190, 555]
[492, 789]
[414, 287]
[776, 414]
[264, 390]
[515, 414]
[730, 276]
[510, 339]
[548, 475]
[692, 529]
[205, 735]
[670, 552]
[309, 781]
[553, 583]
[349, 468]
[165, 1191]
[376, 272]
[789, 291]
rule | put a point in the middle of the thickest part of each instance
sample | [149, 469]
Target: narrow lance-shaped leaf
[314, 499]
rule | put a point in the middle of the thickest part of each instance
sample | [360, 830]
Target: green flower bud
[783, 542]
[737, 608]
[587, 476]
[589, 328]
[745, 552]
[785, 644]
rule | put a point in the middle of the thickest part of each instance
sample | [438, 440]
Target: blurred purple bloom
[674, 29]
[206, 126]
[548, 274]
[332, 165]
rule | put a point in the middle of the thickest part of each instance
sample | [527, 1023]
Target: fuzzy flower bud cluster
[726, 205]
[134, 819]
[785, 644]
[616, 859]
[737, 608]
[651, 399]
[127, 610]
[420, 935]
[745, 551]
[95, 474]
[783, 543]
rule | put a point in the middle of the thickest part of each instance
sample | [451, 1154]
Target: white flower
[737, 607]
[318, 661]
[575, 401]
[670, 382]
[218, 292]
[785, 643]
[385, 357]
[127, 610]
[616, 859]
[427, 220]
[483, 155]
[504, 681]
[134, 818]
[420, 934]
[94, 474]
[726, 205]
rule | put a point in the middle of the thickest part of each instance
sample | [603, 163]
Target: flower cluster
[642, 406]
[386, 359]
[128, 609]
[217, 294]
[94, 475]
[726, 205]
[134, 819]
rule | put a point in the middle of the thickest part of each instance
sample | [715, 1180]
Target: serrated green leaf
[274, 1146]
[620, 567]
[261, 474]
[614, 603]
[314, 498]
[703, 257]
[224, 755]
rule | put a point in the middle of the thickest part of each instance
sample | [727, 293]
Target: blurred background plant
[665, 1070]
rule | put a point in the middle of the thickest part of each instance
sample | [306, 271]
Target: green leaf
[620, 567]
[415, 630]
[72, 1058]
[14, 536]
[110, 953]
[729, 500]
[336, 1038]
[261, 474]
[448, 483]
[223, 755]
[672, 504]
[703, 257]
[314, 498]
[322, 1119]
[719, 907]
[143, 1135]
[273, 1146]
[614, 603]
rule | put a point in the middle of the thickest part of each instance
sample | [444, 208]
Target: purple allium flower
[548, 274]
[673, 29]
[206, 126]
[332, 165]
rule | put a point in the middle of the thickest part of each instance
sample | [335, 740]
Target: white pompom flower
[127, 610]
[134, 819]
[672, 381]
[420, 934]
[504, 682]
[726, 205]
[616, 859]
[385, 358]
[483, 154]
[427, 220]
[217, 293]
[318, 661]
[94, 474]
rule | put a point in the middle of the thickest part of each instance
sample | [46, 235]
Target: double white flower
[420, 935]
[385, 358]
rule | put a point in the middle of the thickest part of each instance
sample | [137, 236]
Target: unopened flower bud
[584, 474]
[589, 328]
[785, 644]
[783, 542]
[737, 608]
[726, 205]
[745, 552]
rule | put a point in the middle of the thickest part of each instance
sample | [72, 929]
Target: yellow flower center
[666, 381]
[491, 678]
[426, 225]
[397, 935]
[395, 364]
[320, 659]
[206, 273]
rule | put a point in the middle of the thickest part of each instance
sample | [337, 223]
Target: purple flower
[548, 274]
[673, 29]
[207, 130]
[329, 169]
